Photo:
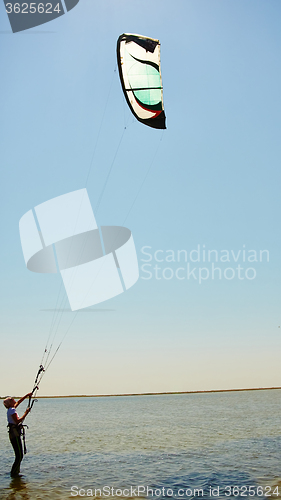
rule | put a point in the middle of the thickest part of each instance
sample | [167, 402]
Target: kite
[140, 74]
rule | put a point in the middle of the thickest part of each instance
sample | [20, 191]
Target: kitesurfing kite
[140, 74]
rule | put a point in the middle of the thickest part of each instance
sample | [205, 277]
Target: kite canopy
[140, 74]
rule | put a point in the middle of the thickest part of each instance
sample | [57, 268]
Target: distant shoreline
[154, 393]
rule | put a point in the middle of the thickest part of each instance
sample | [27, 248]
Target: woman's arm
[19, 420]
[22, 399]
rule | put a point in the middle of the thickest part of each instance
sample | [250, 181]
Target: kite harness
[17, 430]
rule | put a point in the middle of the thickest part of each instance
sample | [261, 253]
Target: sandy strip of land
[155, 393]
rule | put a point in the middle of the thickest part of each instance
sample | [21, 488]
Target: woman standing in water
[15, 430]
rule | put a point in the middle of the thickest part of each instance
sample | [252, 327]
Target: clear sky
[213, 179]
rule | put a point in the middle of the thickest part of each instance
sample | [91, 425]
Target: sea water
[168, 446]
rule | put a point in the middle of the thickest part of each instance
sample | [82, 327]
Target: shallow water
[175, 442]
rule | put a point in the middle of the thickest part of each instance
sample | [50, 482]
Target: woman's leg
[17, 445]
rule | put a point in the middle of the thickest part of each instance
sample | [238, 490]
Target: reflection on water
[18, 489]
[21, 489]
[176, 441]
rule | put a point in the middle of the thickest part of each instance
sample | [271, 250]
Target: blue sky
[214, 181]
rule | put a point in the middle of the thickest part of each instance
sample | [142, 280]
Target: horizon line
[153, 393]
